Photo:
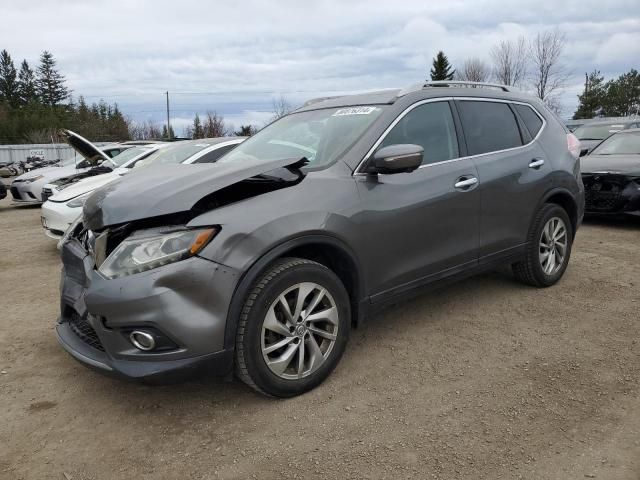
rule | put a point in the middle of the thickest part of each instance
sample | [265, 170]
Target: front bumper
[56, 218]
[24, 193]
[611, 194]
[186, 302]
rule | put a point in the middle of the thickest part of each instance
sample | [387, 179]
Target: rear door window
[431, 126]
[488, 126]
[530, 118]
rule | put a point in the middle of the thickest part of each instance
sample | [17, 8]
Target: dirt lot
[483, 379]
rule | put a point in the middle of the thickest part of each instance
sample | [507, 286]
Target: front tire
[548, 248]
[293, 328]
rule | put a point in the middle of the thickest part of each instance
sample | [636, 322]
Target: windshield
[321, 136]
[597, 132]
[127, 155]
[620, 144]
[172, 155]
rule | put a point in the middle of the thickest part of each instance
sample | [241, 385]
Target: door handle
[536, 163]
[464, 183]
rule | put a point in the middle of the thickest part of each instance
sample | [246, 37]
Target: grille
[603, 193]
[15, 193]
[46, 193]
[84, 331]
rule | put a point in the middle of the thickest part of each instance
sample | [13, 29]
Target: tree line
[537, 64]
[36, 103]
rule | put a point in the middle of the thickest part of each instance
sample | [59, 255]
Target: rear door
[424, 224]
[513, 170]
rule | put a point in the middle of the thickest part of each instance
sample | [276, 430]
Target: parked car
[611, 175]
[592, 133]
[64, 207]
[118, 165]
[3, 190]
[26, 189]
[263, 261]
[573, 124]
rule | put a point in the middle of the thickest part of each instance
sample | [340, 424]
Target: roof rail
[451, 83]
[318, 100]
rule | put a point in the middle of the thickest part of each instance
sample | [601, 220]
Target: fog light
[142, 340]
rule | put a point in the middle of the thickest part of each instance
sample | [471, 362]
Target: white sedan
[26, 189]
[65, 206]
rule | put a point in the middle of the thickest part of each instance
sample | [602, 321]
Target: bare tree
[549, 74]
[213, 126]
[280, 107]
[510, 61]
[144, 131]
[474, 70]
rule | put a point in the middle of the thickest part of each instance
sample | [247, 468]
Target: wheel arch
[566, 200]
[327, 250]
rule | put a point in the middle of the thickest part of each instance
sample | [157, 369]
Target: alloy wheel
[299, 331]
[553, 246]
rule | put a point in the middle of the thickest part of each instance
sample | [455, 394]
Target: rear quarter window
[530, 118]
[488, 126]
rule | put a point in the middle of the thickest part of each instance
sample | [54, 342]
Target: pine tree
[8, 80]
[623, 95]
[26, 84]
[50, 83]
[441, 69]
[198, 132]
[245, 131]
[170, 135]
[592, 99]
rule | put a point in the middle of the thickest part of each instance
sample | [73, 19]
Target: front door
[422, 225]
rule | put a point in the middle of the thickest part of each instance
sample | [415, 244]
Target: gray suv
[260, 263]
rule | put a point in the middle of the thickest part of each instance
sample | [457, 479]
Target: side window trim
[358, 172]
[384, 134]
[457, 122]
[525, 134]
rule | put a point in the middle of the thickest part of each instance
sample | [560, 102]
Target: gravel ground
[483, 379]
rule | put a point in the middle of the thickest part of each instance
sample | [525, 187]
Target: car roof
[419, 91]
[612, 122]
[629, 130]
[209, 141]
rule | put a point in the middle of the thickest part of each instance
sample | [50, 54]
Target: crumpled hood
[83, 186]
[167, 189]
[622, 164]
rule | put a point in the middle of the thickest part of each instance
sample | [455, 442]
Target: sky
[235, 58]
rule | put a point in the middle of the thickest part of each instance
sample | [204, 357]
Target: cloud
[236, 59]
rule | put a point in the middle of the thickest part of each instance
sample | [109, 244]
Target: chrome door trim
[356, 172]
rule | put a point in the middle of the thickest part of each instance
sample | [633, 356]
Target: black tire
[530, 270]
[250, 365]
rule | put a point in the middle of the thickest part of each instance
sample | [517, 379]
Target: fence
[48, 151]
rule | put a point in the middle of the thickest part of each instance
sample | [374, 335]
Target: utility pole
[168, 123]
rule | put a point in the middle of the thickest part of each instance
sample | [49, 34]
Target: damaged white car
[26, 189]
[64, 206]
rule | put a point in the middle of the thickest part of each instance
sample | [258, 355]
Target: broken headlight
[148, 249]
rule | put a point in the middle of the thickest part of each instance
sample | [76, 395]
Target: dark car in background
[261, 262]
[3, 190]
[592, 133]
[611, 175]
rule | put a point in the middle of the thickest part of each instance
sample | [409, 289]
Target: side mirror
[399, 158]
[584, 151]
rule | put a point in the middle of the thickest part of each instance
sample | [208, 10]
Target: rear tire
[293, 328]
[548, 248]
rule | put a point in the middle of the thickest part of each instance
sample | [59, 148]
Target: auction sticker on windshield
[354, 111]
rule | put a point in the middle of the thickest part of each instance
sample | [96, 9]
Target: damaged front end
[611, 193]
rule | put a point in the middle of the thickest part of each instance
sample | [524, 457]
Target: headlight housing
[33, 179]
[148, 249]
[79, 200]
